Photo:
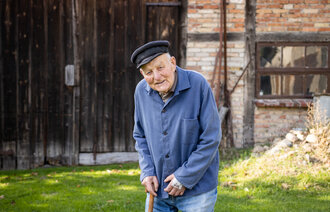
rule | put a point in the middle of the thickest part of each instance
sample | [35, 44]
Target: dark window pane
[292, 84]
[317, 56]
[316, 83]
[293, 56]
[270, 85]
[270, 56]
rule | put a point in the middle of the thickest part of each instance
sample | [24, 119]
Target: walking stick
[151, 202]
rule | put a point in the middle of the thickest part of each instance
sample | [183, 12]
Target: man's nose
[157, 75]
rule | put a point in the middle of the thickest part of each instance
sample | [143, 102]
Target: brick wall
[204, 17]
[270, 123]
[277, 16]
[293, 16]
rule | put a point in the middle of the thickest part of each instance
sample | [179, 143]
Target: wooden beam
[293, 36]
[107, 158]
[210, 37]
[249, 79]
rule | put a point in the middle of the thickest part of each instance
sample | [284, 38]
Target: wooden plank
[55, 82]
[134, 27]
[1, 82]
[9, 85]
[67, 157]
[86, 48]
[249, 78]
[74, 159]
[109, 98]
[118, 74]
[35, 57]
[107, 158]
[23, 98]
[290, 36]
[103, 28]
[95, 86]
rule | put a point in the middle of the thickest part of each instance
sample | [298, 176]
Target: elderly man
[177, 132]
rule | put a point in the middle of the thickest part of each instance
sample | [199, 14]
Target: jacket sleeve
[192, 170]
[141, 145]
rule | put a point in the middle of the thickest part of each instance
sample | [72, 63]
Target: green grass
[246, 184]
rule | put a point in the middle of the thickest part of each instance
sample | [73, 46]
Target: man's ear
[173, 60]
[141, 72]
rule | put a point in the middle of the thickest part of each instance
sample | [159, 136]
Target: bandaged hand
[174, 188]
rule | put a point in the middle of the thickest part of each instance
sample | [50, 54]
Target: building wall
[271, 16]
[293, 16]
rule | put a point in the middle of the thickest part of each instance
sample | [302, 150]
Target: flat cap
[149, 51]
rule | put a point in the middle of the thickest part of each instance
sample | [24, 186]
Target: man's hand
[172, 190]
[151, 184]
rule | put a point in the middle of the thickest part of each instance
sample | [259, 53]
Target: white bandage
[176, 184]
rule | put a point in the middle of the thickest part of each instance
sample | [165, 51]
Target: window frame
[288, 70]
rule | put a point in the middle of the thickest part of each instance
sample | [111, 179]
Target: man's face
[159, 73]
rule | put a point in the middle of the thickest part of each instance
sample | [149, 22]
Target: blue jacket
[180, 136]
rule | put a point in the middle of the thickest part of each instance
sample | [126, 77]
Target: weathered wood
[44, 121]
[67, 105]
[9, 83]
[23, 98]
[249, 79]
[107, 158]
[37, 67]
[207, 37]
[290, 36]
[1, 83]
[74, 159]
[55, 83]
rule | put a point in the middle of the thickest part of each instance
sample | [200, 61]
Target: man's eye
[149, 73]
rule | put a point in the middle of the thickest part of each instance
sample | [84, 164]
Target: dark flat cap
[149, 51]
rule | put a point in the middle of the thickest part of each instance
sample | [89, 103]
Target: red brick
[294, 28]
[280, 1]
[306, 29]
[308, 24]
[324, 29]
[296, 1]
[318, 6]
[301, 6]
[311, 1]
[211, 6]
[235, 11]
[239, 25]
[192, 11]
[236, 20]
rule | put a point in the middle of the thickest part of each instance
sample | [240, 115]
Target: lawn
[246, 184]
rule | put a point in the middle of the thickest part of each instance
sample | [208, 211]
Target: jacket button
[164, 133]
[163, 111]
[167, 156]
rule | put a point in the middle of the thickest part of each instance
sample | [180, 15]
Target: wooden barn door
[108, 33]
[163, 23]
[35, 103]
[47, 118]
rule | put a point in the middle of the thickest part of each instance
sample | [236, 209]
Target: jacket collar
[182, 84]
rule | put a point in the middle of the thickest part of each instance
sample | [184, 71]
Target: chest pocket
[190, 131]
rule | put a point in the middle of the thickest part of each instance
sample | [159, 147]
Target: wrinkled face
[159, 73]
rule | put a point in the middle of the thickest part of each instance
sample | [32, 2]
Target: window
[292, 70]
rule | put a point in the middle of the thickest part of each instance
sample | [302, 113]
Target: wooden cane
[151, 202]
